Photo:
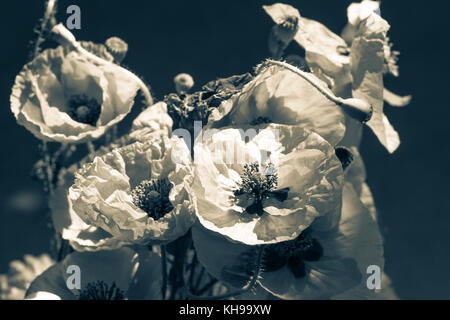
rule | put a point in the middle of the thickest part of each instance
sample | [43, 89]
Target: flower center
[294, 253]
[99, 290]
[290, 22]
[152, 196]
[260, 185]
[260, 120]
[84, 109]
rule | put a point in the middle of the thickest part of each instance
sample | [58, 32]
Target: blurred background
[210, 39]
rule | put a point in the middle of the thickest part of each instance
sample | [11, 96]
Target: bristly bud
[183, 83]
[118, 48]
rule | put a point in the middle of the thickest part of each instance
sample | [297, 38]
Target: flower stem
[164, 272]
[47, 21]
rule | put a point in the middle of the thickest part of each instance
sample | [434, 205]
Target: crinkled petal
[367, 70]
[358, 12]
[152, 121]
[322, 46]
[279, 11]
[137, 274]
[305, 162]
[369, 249]
[230, 262]
[101, 195]
[286, 98]
[348, 252]
[39, 98]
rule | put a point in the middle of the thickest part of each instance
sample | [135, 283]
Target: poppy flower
[317, 264]
[63, 96]
[135, 194]
[267, 189]
[279, 95]
[105, 275]
[152, 123]
[323, 48]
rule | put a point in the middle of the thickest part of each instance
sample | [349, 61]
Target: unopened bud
[183, 83]
[117, 47]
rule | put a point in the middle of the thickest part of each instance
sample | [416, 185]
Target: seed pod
[117, 47]
[183, 83]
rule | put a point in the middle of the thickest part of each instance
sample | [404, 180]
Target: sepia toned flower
[122, 274]
[354, 67]
[21, 274]
[154, 121]
[317, 264]
[323, 48]
[267, 189]
[368, 58]
[279, 95]
[63, 96]
[135, 194]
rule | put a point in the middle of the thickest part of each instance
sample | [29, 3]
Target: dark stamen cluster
[84, 109]
[99, 290]
[260, 186]
[152, 196]
[290, 23]
[293, 253]
[260, 120]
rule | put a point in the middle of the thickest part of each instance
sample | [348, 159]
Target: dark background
[210, 39]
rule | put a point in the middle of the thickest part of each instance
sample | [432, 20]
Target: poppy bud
[183, 83]
[117, 47]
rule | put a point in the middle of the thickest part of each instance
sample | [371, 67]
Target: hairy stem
[47, 21]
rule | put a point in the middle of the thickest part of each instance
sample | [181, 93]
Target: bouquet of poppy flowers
[250, 188]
